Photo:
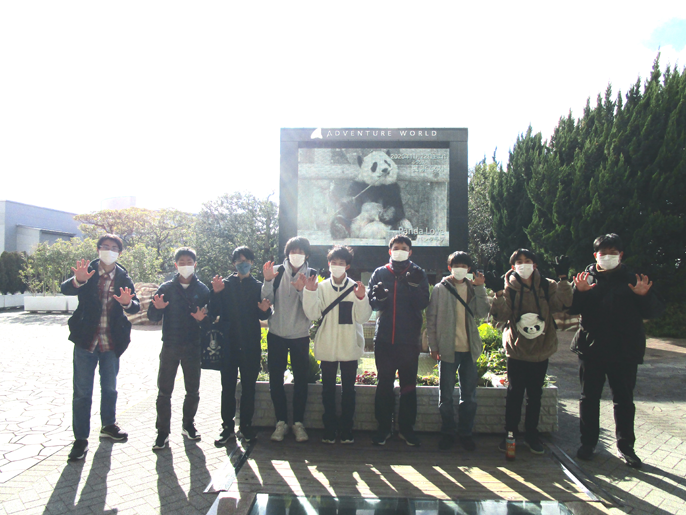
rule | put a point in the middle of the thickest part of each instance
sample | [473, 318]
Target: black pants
[170, 357]
[277, 361]
[405, 360]
[229, 374]
[622, 379]
[523, 376]
[348, 375]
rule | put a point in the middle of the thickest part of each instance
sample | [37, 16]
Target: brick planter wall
[490, 414]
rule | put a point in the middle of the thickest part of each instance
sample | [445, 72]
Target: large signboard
[359, 187]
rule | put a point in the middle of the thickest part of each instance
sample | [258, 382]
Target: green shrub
[671, 325]
[491, 337]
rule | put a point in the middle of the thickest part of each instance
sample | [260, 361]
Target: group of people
[611, 301]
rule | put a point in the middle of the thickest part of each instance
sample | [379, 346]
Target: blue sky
[177, 103]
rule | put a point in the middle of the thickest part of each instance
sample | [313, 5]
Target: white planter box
[13, 301]
[47, 303]
[2, 301]
[490, 413]
[72, 302]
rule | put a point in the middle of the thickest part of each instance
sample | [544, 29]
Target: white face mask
[524, 271]
[459, 273]
[186, 271]
[296, 260]
[400, 255]
[108, 256]
[337, 271]
[607, 261]
[530, 326]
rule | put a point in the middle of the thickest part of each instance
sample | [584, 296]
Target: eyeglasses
[107, 247]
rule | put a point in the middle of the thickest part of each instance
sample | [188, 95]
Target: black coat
[178, 326]
[611, 326]
[236, 305]
[400, 319]
[84, 323]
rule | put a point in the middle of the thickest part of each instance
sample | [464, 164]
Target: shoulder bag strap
[452, 290]
[337, 301]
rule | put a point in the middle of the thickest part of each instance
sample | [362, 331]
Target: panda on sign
[373, 205]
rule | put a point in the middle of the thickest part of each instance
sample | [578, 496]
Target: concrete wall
[52, 221]
[490, 414]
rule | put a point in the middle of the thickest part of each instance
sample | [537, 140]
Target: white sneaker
[299, 432]
[280, 431]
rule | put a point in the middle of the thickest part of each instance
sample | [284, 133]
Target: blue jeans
[84, 374]
[466, 368]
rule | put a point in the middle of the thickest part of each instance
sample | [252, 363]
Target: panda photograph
[366, 196]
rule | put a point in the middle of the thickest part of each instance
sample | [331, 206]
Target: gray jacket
[288, 319]
[440, 320]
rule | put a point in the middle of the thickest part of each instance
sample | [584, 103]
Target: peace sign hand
[581, 282]
[81, 273]
[642, 285]
[125, 296]
[159, 302]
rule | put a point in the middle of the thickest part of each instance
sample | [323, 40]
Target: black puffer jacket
[400, 319]
[611, 325]
[178, 326]
[85, 321]
[236, 305]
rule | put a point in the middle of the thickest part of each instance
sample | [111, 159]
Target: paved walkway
[123, 478]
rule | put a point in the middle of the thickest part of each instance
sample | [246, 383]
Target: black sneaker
[630, 458]
[249, 434]
[585, 452]
[227, 434]
[534, 444]
[329, 436]
[78, 450]
[410, 438]
[161, 442]
[347, 437]
[190, 432]
[446, 442]
[467, 443]
[381, 437]
[113, 432]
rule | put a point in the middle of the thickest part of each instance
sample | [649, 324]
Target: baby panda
[374, 204]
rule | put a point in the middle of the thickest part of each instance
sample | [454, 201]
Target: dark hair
[299, 243]
[523, 252]
[242, 251]
[112, 237]
[339, 252]
[400, 238]
[608, 241]
[460, 258]
[185, 251]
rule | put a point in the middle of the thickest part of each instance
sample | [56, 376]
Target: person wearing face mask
[101, 333]
[610, 342]
[237, 301]
[289, 332]
[526, 305]
[453, 336]
[343, 306]
[399, 291]
[180, 304]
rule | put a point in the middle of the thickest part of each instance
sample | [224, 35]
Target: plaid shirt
[103, 336]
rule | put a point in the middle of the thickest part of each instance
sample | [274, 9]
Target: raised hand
[199, 314]
[217, 283]
[312, 283]
[581, 282]
[642, 285]
[269, 272]
[125, 296]
[159, 302]
[300, 282]
[360, 290]
[479, 279]
[493, 281]
[81, 273]
[379, 292]
[264, 305]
